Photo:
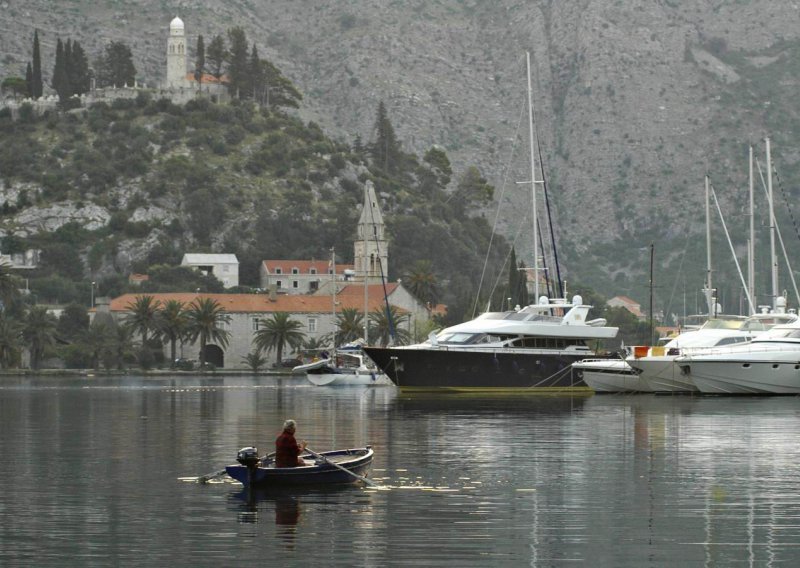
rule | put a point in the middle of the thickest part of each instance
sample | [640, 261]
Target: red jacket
[286, 450]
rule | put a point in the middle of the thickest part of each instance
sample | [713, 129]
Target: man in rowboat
[287, 450]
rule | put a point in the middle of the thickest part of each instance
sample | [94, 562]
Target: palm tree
[381, 328]
[204, 317]
[10, 341]
[142, 316]
[171, 322]
[254, 360]
[350, 325]
[38, 333]
[278, 331]
[421, 282]
[121, 345]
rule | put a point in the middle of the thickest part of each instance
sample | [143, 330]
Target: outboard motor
[248, 457]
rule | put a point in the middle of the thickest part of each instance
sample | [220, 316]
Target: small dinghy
[325, 468]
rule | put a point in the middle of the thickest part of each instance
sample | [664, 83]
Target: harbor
[99, 469]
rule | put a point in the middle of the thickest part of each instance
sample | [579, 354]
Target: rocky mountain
[635, 101]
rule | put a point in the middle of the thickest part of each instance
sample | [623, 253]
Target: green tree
[216, 56]
[200, 62]
[115, 66]
[276, 332]
[96, 342]
[205, 316]
[36, 69]
[29, 81]
[142, 316]
[73, 322]
[38, 333]
[16, 85]
[121, 347]
[60, 80]
[421, 282]
[384, 322]
[386, 149]
[10, 285]
[255, 74]
[277, 91]
[439, 163]
[254, 360]
[473, 188]
[237, 63]
[79, 73]
[349, 325]
[10, 341]
[172, 324]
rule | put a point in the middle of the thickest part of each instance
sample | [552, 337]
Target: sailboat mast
[709, 293]
[533, 184]
[366, 271]
[773, 259]
[751, 249]
[333, 307]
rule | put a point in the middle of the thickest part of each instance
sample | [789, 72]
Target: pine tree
[200, 61]
[279, 91]
[115, 67]
[256, 75]
[38, 86]
[216, 56]
[237, 63]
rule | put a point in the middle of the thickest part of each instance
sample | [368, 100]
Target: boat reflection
[287, 502]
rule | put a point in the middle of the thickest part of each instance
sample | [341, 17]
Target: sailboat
[348, 365]
[528, 348]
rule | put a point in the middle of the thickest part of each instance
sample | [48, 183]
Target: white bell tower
[176, 55]
[371, 254]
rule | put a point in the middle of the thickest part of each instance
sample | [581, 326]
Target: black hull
[424, 369]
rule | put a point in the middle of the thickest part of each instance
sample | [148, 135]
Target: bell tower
[176, 55]
[371, 250]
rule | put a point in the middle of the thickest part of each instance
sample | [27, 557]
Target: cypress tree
[80, 77]
[60, 78]
[36, 70]
[29, 81]
[386, 149]
[238, 62]
[200, 61]
[256, 75]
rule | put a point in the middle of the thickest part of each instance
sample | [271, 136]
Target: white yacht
[770, 364]
[659, 370]
[610, 375]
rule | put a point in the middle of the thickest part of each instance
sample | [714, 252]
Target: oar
[336, 465]
[209, 476]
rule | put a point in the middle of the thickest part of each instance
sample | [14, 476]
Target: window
[295, 270]
[256, 322]
[295, 284]
[278, 270]
[312, 325]
[313, 271]
[278, 284]
[313, 285]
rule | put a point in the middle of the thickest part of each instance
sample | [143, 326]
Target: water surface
[92, 467]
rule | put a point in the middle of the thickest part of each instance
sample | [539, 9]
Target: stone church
[180, 85]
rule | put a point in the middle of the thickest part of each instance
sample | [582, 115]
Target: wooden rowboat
[325, 468]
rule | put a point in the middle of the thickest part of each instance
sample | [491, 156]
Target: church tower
[176, 55]
[371, 248]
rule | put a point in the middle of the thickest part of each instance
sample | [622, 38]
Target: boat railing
[734, 350]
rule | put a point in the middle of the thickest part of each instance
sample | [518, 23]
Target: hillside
[635, 101]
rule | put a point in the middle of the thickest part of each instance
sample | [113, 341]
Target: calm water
[91, 468]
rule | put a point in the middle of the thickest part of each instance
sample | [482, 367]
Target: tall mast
[366, 271]
[773, 259]
[709, 293]
[333, 283]
[533, 185]
[751, 249]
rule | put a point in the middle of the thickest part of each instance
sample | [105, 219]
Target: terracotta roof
[208, 78]
[303, 266]
[258, 303]
[138, 277]
[626, 300]
[373, 290]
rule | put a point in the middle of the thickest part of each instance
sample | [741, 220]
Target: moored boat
[530, 349]
[611, 375]
[348, 366]
[330, 468]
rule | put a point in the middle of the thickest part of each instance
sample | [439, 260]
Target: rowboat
[324, 468]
